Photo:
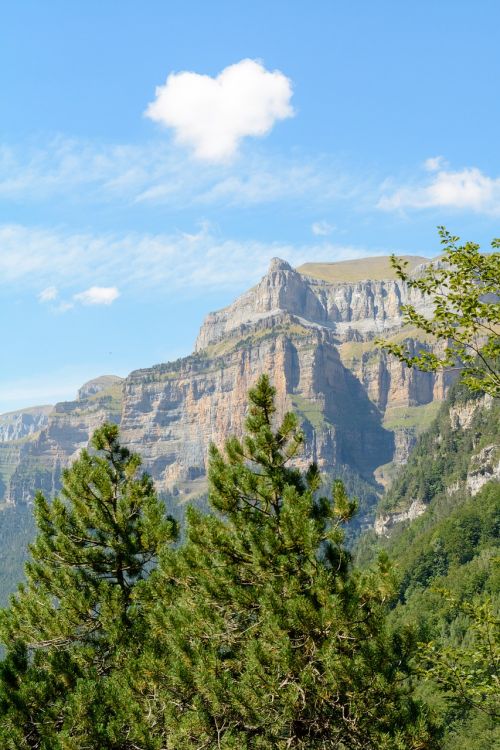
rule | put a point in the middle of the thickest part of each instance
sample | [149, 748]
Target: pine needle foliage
[73, 628]
[262, 634]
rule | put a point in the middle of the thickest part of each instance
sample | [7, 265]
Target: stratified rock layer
[314, 338]
[35, 462]
[21, 424]
[171, 415]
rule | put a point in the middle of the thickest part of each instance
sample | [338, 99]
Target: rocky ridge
[316, 340]
[35, 460]
[21, 424]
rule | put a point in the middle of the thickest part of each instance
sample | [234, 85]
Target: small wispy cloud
[63, 307]
[97, 295]
[434, 163]
[104, 264]
[322, 228]
[94, 295]
[467, 189]
[212, 115]
[48, 294]
[60, 166]
[159, 174]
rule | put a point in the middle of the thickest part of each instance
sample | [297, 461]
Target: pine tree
[263, 635]
[74, 627]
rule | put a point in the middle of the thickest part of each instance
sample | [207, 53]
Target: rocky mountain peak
[277, 264]
[354, 310]
[315, 338]
[97, 385]
[281, 290]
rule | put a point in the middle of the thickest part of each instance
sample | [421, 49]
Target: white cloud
[63, 307]
[267, 183]
[43, 169]
[82, 172]
[434, 163]
[212, 115]
[48, 294]
[322, 228]
[468, 189]
[137, 262]
[97, 295]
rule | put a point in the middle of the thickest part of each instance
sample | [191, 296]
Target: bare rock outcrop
[484, 467]
[315, 338]
[23, 423]
[386, 522]
[36, 462]
[355, 311]
[172, 414]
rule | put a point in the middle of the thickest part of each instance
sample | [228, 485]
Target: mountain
[312, 330]
[315, 336]
[36, 443]
[17, 425]
[365, 417]
[15, 429]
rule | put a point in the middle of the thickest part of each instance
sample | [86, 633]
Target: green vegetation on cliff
[463, 288]
[446, 453]
[415, 418]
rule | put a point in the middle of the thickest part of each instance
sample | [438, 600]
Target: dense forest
[446, 564]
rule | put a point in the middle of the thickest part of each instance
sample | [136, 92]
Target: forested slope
[446, 562]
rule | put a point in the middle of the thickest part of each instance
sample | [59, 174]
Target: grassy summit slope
[377, 268]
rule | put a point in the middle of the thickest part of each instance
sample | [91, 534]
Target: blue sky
[132, 205]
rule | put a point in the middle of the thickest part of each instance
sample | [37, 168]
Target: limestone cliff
[15, 429]
[171, 413]
[35, 459]
[20, 424]
[315, 338]
[354, 311]
[354, 314]
[298, 329]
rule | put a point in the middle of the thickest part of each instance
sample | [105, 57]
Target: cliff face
[171, 415]
[315, 338]
[355, 311]
[34, 460]
[21, 424]
[15, 429]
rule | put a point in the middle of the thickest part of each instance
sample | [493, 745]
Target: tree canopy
[254, 632]
[76, 623]
[265, 636]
